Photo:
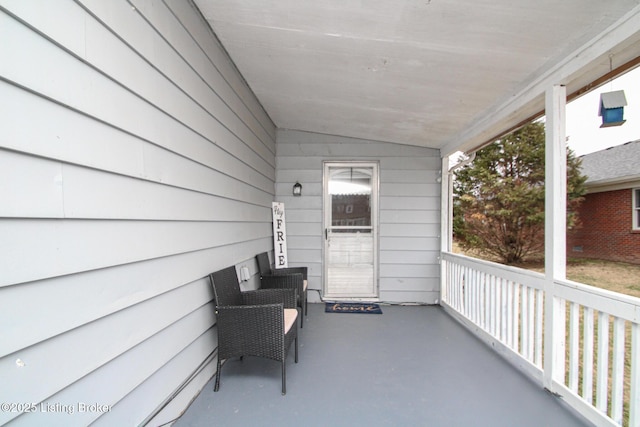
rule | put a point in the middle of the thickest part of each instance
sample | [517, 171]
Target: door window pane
[350, 190]
[351, 210]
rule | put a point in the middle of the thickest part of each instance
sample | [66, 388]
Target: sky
[583, 123]
[584, 135]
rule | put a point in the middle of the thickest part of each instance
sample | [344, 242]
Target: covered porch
[412, 365]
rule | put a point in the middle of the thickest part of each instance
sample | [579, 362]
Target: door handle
[326, 233]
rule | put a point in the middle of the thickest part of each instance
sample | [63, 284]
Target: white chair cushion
[290, 316]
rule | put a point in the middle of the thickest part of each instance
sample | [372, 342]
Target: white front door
[350, 220]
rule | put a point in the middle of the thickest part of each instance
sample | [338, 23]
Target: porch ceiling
[419, 72]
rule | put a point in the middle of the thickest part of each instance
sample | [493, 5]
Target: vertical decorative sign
[279, 235]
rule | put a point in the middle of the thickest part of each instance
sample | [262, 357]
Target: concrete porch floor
[410, 366]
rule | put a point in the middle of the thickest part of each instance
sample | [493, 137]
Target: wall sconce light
[612, 108]
[297, 189]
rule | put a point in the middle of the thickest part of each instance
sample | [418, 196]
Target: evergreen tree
[499, 197]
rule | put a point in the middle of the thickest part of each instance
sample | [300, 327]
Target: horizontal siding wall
[134, 160]
[409, 209]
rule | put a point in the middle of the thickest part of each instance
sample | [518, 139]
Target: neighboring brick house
[610, 213]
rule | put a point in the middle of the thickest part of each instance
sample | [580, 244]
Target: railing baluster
[574, 346]
[495, 303]
[487, 301]
[478, 306]
[524, 322]
[502, 309]
[473, 291]
[603, 362]
[446, 281]
[492, 304]
[516, 316]
[484, 289]
[451, 281]
[470, 292]
[559, 339]
[587, 356]
[531, 325]
[617, 374]
[465, 292]
[457, 289]
[463, 284]
[481, 296]
[509, 319]
[539, 326]
[497, 281]
[458, 285]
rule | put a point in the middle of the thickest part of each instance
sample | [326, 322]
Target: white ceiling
[419, 72]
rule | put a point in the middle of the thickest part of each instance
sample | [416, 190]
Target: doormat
[352, 307]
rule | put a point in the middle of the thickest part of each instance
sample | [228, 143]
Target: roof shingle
[613, 164]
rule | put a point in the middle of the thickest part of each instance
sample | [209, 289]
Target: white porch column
[446, 221]
[555, 232]
[446, 211]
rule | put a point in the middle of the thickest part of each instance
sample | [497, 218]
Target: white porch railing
[596, 333]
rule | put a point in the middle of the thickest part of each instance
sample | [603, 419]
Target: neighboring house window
[636, 209]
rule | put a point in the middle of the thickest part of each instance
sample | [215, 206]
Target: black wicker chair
[256, 323]
[290, 277]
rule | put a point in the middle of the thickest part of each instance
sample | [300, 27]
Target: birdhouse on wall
[612, 108]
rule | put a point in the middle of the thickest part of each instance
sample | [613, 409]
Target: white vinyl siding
[134, 160]
[409, 203]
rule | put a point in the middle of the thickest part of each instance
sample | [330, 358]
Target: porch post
[446, 212]
[446, 220]
[555, 232]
